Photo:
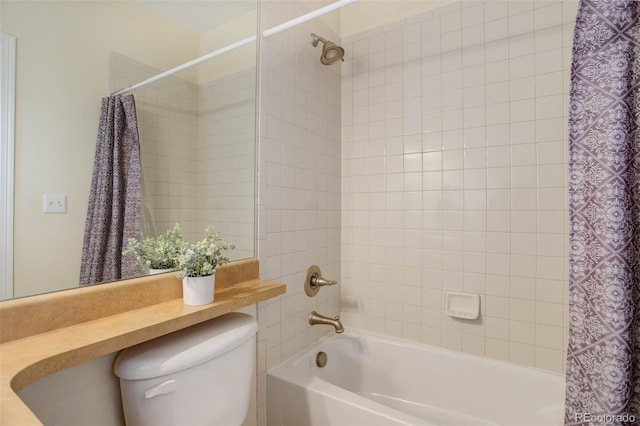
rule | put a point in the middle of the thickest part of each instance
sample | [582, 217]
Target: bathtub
[371, 380]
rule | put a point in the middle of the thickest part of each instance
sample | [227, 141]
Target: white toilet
[197, 376]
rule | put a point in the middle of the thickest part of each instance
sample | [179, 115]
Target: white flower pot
[160, 271]
[198, 290]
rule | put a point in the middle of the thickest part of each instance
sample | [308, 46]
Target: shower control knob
[317, 281]
[314, 281]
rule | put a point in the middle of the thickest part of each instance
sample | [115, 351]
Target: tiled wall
[299, 185]
[168, 126]
[454, 177]
[226, 159]
[198, 152]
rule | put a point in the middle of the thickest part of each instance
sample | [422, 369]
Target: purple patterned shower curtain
[603, 359]
[113, 215]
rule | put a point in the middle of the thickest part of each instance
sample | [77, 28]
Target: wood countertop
[77, 332]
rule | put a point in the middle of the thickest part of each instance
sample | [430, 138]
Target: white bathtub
[371, 380]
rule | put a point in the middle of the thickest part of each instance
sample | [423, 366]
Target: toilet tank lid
[185, 348]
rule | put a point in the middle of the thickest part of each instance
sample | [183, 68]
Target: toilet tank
[197, 376]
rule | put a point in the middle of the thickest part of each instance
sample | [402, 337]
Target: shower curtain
[603, 358]
[113, 215]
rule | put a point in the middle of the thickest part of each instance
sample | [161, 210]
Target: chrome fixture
[314, 281]
[331, 52]
[321, 359]
[316, 318]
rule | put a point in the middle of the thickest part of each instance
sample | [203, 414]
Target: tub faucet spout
[316, 318]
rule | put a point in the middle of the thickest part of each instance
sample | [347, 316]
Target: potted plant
[198, 267]
[160, 254]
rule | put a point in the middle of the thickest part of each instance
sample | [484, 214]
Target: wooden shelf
[27, 359]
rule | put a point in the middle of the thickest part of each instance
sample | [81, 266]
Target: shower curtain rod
[186, 65]
[266, 33]
[307, 17]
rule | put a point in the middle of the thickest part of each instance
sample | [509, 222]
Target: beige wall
[330, 21]
[221, 36]
[91, 395]
[63, 53]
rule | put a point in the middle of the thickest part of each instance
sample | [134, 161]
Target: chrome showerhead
[331, 53]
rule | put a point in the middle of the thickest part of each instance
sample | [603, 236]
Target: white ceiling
[201, 15]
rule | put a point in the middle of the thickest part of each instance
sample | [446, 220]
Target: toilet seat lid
[185, 348]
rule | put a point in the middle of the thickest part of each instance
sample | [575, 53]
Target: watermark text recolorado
[605, 418]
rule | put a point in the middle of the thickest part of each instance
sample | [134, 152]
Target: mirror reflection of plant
[200, 259]
[161, 252]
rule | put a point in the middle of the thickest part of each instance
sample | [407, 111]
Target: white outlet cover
[54, 203]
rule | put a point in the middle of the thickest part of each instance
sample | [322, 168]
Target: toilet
[197, 376]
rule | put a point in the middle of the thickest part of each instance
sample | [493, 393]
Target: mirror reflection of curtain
[113, 215]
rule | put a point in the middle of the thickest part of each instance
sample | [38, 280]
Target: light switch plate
[54, 203]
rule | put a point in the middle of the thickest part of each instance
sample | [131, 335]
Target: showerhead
[331, 53]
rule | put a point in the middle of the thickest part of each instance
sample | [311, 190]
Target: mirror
[197, 127]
